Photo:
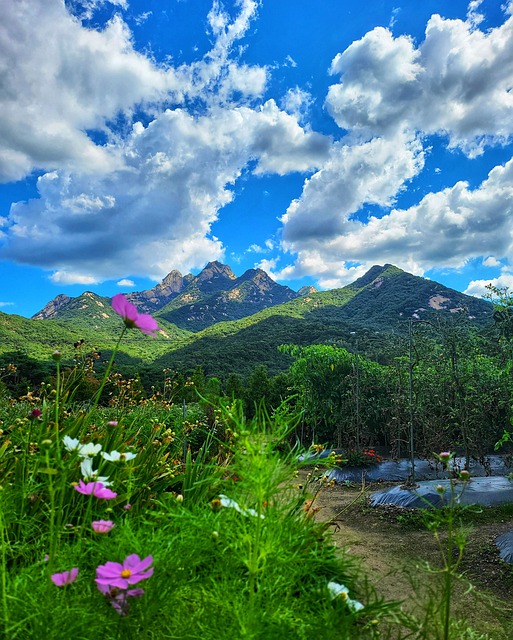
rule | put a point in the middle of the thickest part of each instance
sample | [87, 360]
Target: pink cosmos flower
[97, 489]
[102, 526]
[64, 578]
[132, 571]
[132, 318]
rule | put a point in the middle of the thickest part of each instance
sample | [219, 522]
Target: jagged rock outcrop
[152, 300]
[51, 310]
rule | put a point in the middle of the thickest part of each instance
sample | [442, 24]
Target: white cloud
[371, 173]
[142, 17]
[60, 79]
[477, 288]
[68, 277]
[255, 248]
[491, 262]
[297, 102]
[154, 214]
[6, 304]
[445, 229]
[392, 94]
[125, 283]
[457, 82]
[147, 199]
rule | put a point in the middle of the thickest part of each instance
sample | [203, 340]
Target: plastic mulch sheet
[504, 544]
[399, 470]
[487, 492]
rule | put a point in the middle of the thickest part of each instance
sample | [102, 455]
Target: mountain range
[230, 324]
[190, 302]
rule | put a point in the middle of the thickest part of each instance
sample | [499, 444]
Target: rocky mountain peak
[172, 279]
[306, 290]
[215, 269]
[51, 309]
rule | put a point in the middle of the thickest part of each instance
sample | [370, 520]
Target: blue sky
[311, 139]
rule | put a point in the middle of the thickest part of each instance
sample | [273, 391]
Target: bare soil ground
[393, 545]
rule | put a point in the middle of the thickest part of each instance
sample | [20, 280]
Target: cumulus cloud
[60, 79]
[392, 94]
[6, 304]
[372, 172]
[126, 283]
[179, 169]
[457, 83]
[148, 197]
[443, 229]
[478, 288]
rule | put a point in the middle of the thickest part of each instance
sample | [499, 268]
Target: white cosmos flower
[115, 456]
[86, 467]
[229, 503]
[71, 444]
[89, 450]
[341, 591]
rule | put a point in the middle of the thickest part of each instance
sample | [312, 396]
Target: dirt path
[393, 547]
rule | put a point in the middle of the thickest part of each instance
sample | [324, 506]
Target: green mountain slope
[373, 308]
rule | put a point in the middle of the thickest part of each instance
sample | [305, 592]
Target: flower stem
[98, 394]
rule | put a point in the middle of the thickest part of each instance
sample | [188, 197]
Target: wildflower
[102, 526]
[340, 591]
[89, 450]
[445, 456]
[71, 444]
[64, 578]
[440, 489]
[86, 467]
[57, 355]
[464, 475]
[309, 509]
[132, 318]
[115, 456]
[127, 507]
[35, 413]
[132, 571]
[97, 489]
[112, 423]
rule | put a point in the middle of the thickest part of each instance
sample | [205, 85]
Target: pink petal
[124, 308]
[137, 577]
[84, 488]
[64, 578]
[118, 582]
[109, 570]
[147, 324]
[102, 492]
[135, 564]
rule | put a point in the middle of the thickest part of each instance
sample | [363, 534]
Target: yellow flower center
[126, 573]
